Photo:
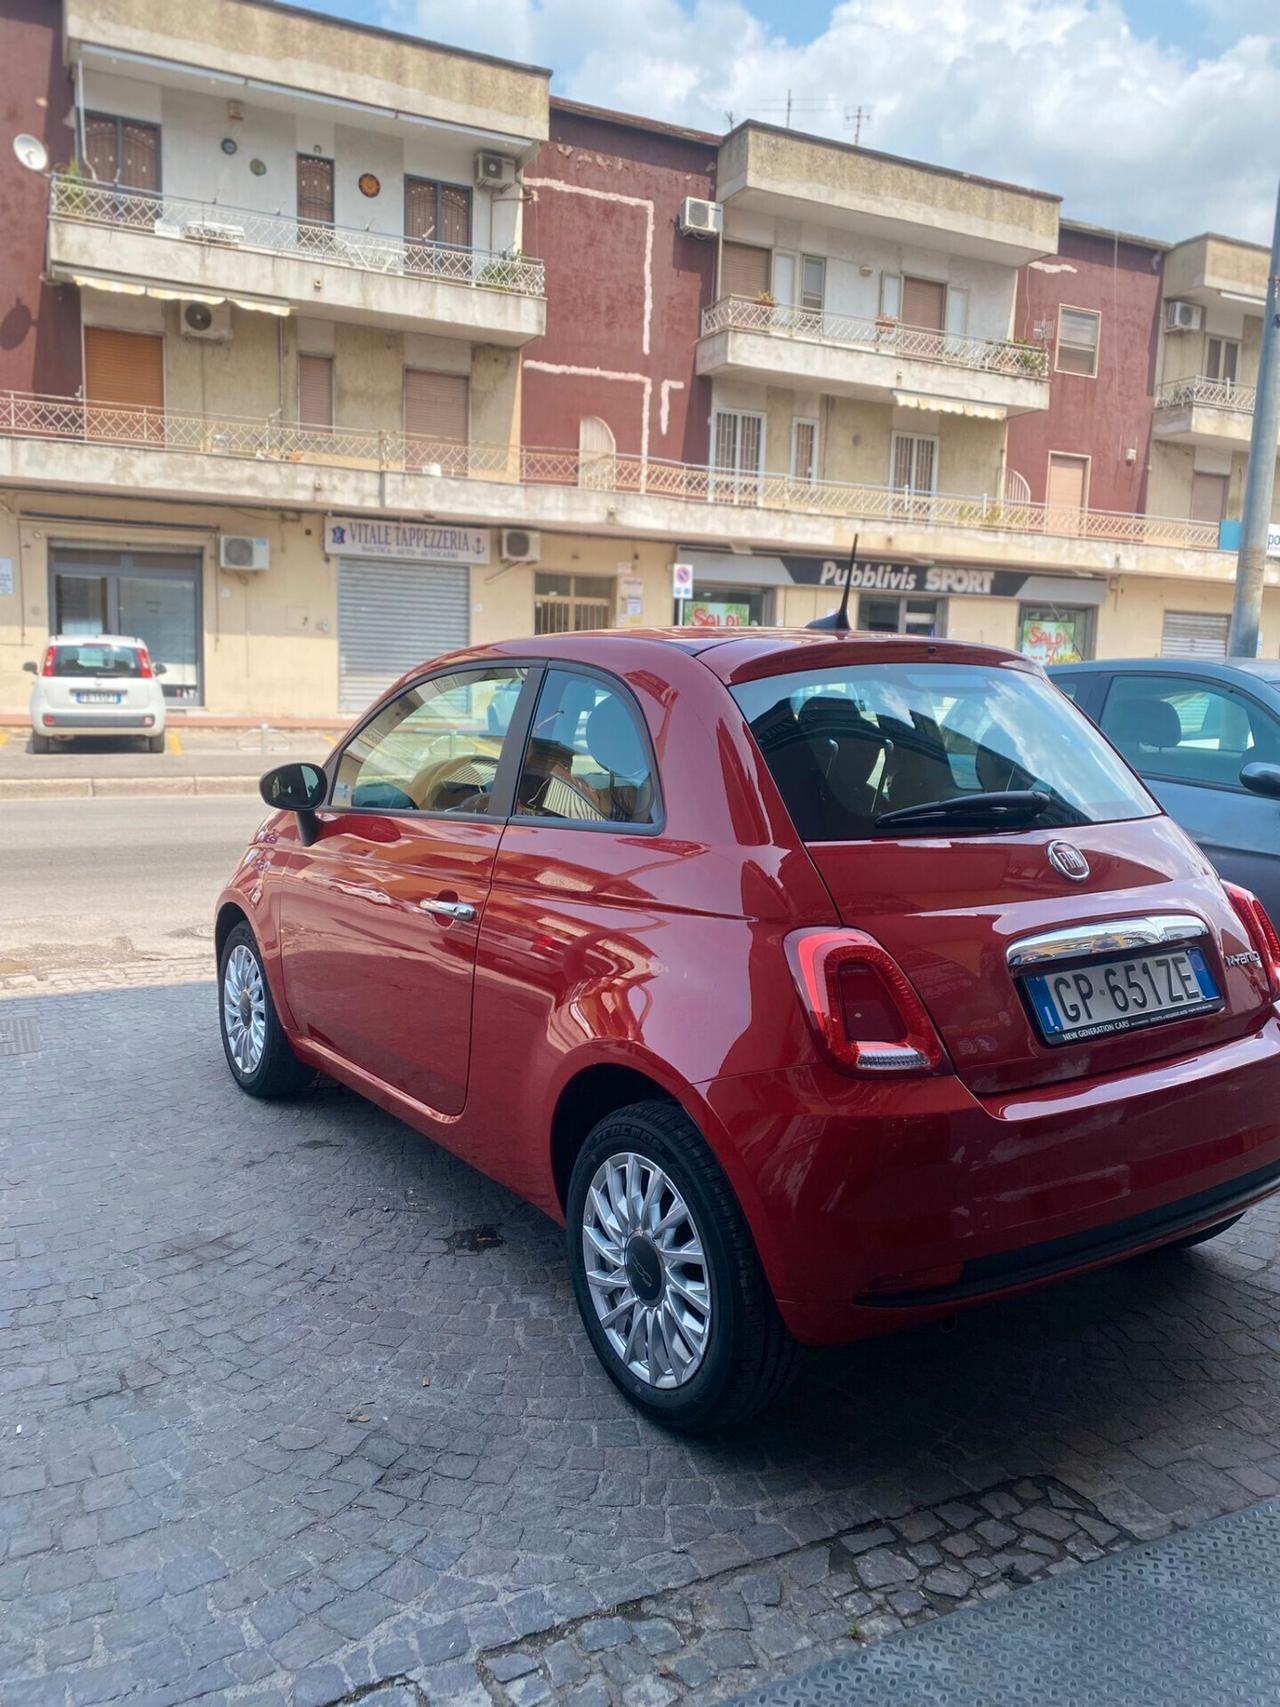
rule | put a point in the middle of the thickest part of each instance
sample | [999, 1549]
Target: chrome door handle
[462, 910]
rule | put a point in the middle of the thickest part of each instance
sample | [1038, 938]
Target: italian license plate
[1102, 998]
[92, 698]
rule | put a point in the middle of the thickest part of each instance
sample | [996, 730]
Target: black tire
[749, 1357]
[1189, 1240]
[155, 743]
[277, 1071]
[41, 744]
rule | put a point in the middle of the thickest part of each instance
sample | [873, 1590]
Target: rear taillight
[144, 661]
[861, 1004]
[1260, 931]
[46, 669]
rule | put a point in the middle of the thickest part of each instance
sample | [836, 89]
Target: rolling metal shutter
[392, 617]
[1190, 635]
[123, 367]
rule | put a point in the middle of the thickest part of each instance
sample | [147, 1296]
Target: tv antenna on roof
[857, 117]
[838, 621]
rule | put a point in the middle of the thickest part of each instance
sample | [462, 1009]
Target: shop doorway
[878, 614]
[153, 595]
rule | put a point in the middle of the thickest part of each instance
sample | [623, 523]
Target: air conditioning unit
[701, 219]
[494, 172]
[206, 320]
[239, 551]
[1182, 316]
[520, 546]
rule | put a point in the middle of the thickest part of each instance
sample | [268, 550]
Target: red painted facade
[1105, 417]
[39, 322]
[603, 200]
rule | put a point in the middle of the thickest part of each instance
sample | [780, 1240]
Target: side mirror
[159, 669]
[31, 667]
[1262, 779]
[296, 788]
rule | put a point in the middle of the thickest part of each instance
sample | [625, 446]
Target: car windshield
[96, 658]
[847, 747]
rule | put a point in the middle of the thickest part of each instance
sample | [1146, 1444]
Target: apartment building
[1155, 355]
[330, 349]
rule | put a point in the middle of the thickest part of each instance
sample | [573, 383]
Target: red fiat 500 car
[819, 983]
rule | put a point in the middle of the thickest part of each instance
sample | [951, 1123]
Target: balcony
[67, 444]
[1201, 411]
[98, 233]
[880, 359]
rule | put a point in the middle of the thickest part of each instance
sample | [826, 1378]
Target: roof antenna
[838, 621]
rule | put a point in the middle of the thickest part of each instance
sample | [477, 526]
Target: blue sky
[1155, 116]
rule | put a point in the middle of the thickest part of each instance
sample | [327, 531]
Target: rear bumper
[877, 1205]
[100, 721]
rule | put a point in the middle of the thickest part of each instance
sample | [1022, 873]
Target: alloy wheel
[649, 1277]
[244, 1009]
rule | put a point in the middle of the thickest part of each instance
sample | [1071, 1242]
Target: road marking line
[175, 741]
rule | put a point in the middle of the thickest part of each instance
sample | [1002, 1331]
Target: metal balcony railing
[213, 225]
[24, 415]
[1203, 392]
[880, 336]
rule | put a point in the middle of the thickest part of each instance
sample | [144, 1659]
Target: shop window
[714, 606]
[878, 614]
[565, 604]
[804, 450]
[125, 152]
[1078, 332]
[154, 595]
[1053, 634]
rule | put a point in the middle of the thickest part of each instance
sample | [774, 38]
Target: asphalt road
[95, 886]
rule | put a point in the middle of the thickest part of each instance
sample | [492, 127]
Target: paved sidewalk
[195, 761]
[293, 1404]
[1189, 1622]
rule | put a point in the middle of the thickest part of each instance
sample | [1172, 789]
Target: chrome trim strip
[1110, 936]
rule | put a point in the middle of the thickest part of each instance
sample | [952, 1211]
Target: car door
[380, 916]
[1188, 735]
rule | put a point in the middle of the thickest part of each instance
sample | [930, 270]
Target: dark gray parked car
[1205, 736]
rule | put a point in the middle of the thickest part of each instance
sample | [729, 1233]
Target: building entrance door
[153, 595]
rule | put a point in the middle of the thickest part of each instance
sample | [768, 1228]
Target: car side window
[434, 748]
[1187, 728]
[588, 759]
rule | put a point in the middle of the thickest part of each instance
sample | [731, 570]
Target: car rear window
[847, 746]
[93, 659]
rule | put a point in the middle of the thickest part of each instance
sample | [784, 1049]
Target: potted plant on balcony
[1029, 357]
[502, 273]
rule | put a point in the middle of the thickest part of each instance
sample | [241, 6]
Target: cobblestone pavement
[295, 1408]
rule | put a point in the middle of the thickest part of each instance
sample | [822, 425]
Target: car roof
[1258, 672]
[95, 640]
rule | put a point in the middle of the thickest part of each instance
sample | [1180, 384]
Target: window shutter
[923, 303]
[1189, 634]
[139, 155]
[926, 465]
[123, 367]
[1068, 479]
[744, 270]
[1208, 497]
[435, 406]
[315, 390]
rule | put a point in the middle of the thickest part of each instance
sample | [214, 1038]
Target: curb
[121, 787]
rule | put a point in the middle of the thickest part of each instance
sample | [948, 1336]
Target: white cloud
[1058, 94]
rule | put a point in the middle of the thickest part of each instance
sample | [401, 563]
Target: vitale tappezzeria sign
[413, 542]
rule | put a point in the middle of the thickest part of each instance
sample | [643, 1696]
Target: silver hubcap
[650, 1281]
[244, 1008]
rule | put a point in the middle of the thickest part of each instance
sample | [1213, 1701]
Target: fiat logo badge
[1068, 861]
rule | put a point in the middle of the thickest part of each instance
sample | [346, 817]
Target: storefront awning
[949, 406]
[118, 285]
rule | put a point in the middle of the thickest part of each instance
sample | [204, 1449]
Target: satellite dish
[31, 152]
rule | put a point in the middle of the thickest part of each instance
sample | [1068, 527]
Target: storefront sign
[416, 542]
[1273, 542]
[717, 613]
[1052, 639]
[939, 580]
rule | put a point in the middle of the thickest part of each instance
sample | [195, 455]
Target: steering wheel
[431, 779]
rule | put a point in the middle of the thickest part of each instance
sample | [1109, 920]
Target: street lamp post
[1246, 613]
